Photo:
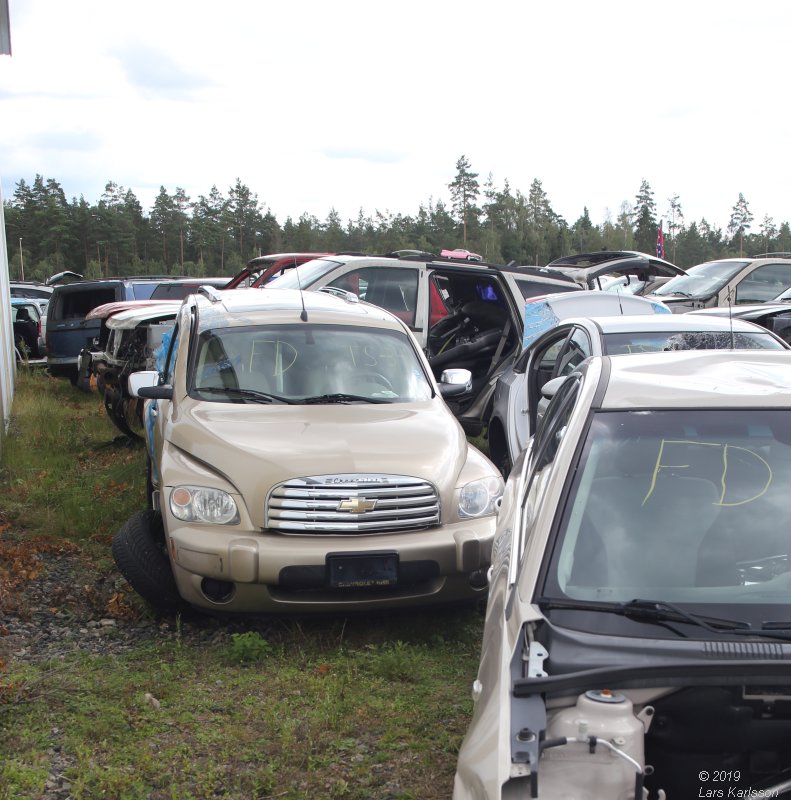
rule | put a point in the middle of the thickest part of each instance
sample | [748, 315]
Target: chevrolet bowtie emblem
[357, 505]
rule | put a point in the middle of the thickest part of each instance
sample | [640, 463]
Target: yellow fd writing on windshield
[719, 465]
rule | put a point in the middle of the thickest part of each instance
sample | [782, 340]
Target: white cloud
[356, 105]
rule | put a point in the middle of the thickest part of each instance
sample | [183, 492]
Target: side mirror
[550, 388]
[548, 391]
[455, 382]
[145, 384]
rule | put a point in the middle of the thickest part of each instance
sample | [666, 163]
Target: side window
[170, 361]
[764, 283]
[545, 360]
[545, 446]
[553, 427]
[533, 288]
[394, 289]
[576, 350]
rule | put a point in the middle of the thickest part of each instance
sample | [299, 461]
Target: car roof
[673, 322]
[463, 265]
[698, 379]
[234, 307]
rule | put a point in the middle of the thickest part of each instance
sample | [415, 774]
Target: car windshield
[304, 275]
[783, 297]
[683, 506]
[655, 341]
[628, 284]
[703, 279]
[308, 363]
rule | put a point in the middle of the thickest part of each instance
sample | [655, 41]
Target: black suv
[68, 330]
[465, 314]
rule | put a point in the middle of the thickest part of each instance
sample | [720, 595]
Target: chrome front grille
[352, 504]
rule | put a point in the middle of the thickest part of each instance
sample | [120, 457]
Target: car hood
[256, 447]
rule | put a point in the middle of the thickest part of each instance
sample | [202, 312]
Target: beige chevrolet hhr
[302, 458]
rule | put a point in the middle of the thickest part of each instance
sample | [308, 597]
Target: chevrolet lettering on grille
[357, 505]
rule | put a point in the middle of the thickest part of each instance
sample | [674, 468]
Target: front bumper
[233, 569]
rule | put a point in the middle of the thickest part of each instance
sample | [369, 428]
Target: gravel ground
[60, 606]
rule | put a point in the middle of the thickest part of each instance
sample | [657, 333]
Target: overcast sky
[368, 105]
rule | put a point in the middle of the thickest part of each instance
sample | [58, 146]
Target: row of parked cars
[306, 451]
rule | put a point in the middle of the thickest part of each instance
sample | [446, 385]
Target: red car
[261, 270]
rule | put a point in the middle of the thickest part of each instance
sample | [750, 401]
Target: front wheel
[140, 553]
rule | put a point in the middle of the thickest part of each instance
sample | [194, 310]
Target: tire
[140, 553]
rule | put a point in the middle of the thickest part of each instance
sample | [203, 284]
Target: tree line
[217, 234]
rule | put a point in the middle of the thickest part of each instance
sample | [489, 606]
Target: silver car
[637, 640]
[726, 282]
[518, 393]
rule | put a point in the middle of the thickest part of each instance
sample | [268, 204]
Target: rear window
[77, 304]
[142, 290]
[174, 291]
[534, 288]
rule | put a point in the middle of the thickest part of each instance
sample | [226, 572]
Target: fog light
[478, 579]
[217, 591]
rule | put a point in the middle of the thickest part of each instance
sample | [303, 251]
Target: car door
[761, 284]
[553, 359]
[394, 288]
[534, 365]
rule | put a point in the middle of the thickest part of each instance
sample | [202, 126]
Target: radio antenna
[730, 317]
[304, 315]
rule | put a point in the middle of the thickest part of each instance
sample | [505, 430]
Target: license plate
[363, 570]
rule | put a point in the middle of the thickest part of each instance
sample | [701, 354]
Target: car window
[683, 505]
[305, 275]
[764, 283]
[394, 289]
[170, 362]
[533, 288]
[576, 349]
[308, 362]
[702, 279]
[545, 446]
[656, 341]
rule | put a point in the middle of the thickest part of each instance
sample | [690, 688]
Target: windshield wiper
[661, 610]
[657, 611]
[339, 397]
[244, 394]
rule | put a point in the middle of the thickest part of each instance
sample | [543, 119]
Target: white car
[517, 396]
[637, 641]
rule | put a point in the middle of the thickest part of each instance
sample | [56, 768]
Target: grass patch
[66, 472]
[360, 708]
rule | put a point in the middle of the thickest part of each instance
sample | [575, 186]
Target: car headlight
[480, 498]
[199, 504]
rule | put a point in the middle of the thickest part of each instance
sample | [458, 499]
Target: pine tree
[644, 219]
[464, 192]
[740, 222]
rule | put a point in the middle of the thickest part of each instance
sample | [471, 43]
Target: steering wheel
[376, 377]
